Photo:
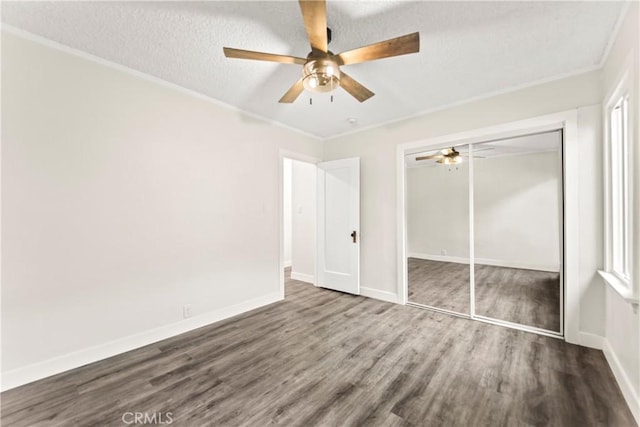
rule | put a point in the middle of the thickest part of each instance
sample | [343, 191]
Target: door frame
[282, 154]
[568, 122]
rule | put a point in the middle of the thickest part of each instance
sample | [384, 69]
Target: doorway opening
[298, 231]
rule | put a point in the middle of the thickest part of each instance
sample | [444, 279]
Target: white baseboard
[56, 365]
[587, 339]
[630, 395]
[377, 294]
[487, 261]
[443, 258]
[287, 264]
[302, 277]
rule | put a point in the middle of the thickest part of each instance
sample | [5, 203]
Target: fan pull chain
[311, 100]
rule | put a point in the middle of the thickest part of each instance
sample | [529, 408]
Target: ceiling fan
[450, 156]
[321, 68]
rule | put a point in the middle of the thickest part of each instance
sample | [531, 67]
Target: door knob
[354, 236]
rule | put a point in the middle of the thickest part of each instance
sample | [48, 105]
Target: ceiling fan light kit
[321, 75]
[321, 69]
[450, 161]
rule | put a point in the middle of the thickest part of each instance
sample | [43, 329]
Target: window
[619, 175]
[618, 178]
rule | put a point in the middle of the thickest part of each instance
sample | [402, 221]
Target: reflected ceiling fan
[321, 68]
[450, 156]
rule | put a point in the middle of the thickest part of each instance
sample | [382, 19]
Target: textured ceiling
[468, 49]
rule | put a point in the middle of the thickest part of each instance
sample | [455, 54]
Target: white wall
[438, 211]
[516, 211]
[123, 200]
[591, 221]
[304, 221]
[622, 326]
[287, 210]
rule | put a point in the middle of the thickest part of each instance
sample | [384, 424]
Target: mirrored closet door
[437, 208]
[517, 217]
[503, 199]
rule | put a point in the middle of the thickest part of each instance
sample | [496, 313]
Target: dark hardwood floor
[527, 297]
[323, 358]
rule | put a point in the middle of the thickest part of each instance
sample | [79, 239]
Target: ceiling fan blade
[230, 52]
[293, 93]
[314, 14]
[402, 45]
[434, 156]
[473, 155]
[354, 88]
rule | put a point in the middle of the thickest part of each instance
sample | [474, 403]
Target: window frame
[619, 188]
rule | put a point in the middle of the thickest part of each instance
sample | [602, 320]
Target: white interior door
[339, 225]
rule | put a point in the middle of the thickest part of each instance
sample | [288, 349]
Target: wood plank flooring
[439, 284]
[528, 297]
[323, 358]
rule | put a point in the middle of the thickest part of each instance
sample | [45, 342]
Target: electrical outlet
[443, 252]
[187, 310]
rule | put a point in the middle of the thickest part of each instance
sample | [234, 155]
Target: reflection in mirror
[437, 185]
[517, 207]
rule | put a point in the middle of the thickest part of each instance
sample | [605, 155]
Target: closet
[484, 231]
